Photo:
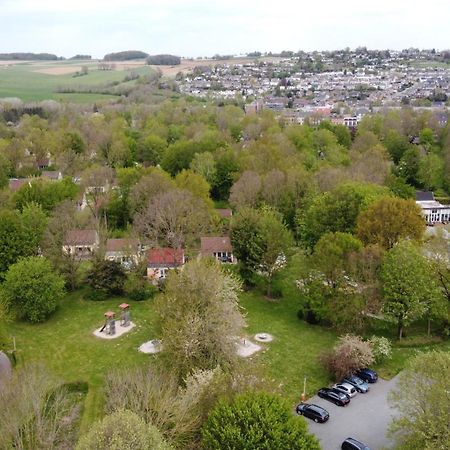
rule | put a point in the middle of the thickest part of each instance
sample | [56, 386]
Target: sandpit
[246, 348]
[263, 337]
[153, 346]
[120, 330]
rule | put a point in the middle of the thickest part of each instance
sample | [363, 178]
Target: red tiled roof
[121, 245]
[81, 237]
[210, 245]
[165, 257]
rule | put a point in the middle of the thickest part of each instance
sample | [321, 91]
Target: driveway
[366, 418]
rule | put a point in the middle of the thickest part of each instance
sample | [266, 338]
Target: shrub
[381, 348]
[123, 430]
[350, 354]
[105, 278]
[256, 420]
[32, 289]
[138, 288]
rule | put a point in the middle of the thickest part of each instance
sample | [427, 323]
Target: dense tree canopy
[256, 421]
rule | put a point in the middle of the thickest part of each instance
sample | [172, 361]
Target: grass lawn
[293, 354]
[66, 343]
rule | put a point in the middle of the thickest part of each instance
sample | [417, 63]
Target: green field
[25, 82]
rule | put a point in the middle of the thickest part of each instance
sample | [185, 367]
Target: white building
[432, 210]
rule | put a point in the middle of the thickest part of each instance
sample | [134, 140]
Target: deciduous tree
[199, 318]
[32, 289]
[422, 396]
[256, 420]
[407, 284]
[389, 220]
[123, 430]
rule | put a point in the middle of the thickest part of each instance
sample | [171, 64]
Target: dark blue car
[368, 375]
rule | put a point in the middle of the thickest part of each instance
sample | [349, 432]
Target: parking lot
[366, 418]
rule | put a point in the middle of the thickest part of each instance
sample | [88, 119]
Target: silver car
[346, 388]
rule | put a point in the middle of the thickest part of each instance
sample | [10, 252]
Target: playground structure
[125, 315]
[113, 328]
[110, 324]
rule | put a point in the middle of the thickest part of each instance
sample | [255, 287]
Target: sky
[192, 28]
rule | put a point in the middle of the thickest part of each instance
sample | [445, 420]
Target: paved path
[366, 418]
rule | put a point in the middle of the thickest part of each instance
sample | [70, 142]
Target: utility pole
[304, 390]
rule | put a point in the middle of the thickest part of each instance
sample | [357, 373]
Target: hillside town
[343, 86]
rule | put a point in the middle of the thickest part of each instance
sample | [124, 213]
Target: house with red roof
[161, 260]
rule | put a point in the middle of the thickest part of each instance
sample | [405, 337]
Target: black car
[368, 375]
[360, 385]
[353, 444]
[335, 396]
[313, 412]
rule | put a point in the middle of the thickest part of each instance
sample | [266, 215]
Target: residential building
[218, 247]
[432, 210]
[161, 260]
[123, 251]
[81, 244]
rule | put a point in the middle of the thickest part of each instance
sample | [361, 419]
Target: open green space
[25, 82]
[66, 344]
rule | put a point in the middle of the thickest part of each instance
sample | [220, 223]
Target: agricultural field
[37, 80]
[41, 80]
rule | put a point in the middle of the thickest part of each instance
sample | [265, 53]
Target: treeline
[30, 56]
[164, 60]
[81, 57]
[125, 56]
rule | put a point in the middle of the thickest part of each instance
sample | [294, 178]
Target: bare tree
[246, 190]
[175, 218]
[34, 410]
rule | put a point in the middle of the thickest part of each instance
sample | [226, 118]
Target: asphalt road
[366, 418]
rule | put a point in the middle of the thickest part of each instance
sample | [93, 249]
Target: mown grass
[66, 343]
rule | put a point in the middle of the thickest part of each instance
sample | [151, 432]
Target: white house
[432, 210]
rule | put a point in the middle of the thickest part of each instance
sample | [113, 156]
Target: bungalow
[432, 210]
[124, 251]
[16, 183]
[161, 260]
[81, 243]
[52, 175]
[217, 247]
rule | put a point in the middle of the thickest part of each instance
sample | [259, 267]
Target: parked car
[360, 385]
[335, 396]
[367, 375]
[346, 388]
[353, 444]
[313, 412]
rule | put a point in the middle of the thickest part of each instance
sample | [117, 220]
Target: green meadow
[25, 81]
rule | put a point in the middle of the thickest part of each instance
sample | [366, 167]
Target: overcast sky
[207, 27]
